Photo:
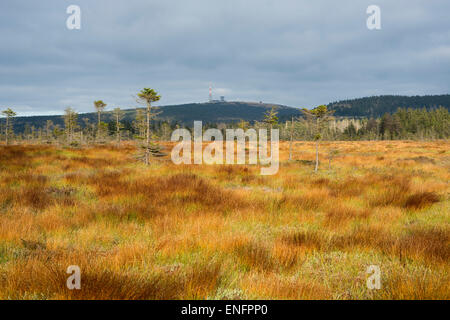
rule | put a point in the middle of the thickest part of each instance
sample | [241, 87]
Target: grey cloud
[299, 53]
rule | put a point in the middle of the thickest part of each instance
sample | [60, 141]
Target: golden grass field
[225, 232]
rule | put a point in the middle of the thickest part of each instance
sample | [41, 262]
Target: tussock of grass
[421, 200]
[255, 256]
[340, 214]
[287, 288]
[431, 244]
[45, 275]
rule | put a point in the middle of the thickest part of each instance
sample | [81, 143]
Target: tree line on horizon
[377, 106]
[405, 123]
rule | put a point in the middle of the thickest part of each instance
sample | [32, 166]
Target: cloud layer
[298, 53]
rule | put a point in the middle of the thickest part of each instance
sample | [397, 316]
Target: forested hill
[214, 112]
[222, 112]
[184, 114]
[379, 105]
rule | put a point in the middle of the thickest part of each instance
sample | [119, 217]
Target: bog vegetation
[164, 231]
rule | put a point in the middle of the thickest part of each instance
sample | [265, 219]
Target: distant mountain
[213, 112]
[210, 112]
[379, 105]
[217, 112]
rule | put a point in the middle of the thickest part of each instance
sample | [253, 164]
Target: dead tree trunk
[317, 156]
[98, 126]
[291, 140]
[7, 130]
[147, 147]
[117, 129]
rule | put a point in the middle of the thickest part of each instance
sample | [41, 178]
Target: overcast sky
[297, 53]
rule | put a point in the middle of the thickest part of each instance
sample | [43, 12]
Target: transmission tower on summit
[210, 93]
